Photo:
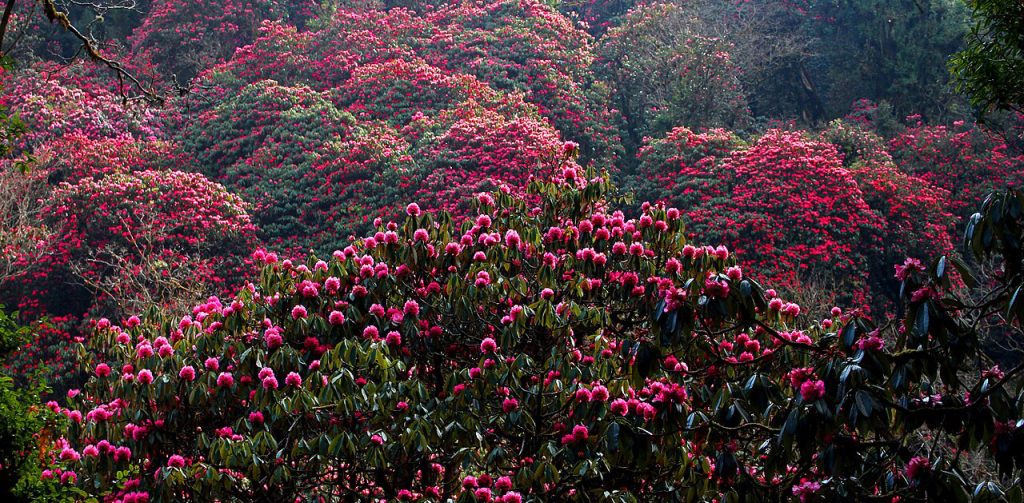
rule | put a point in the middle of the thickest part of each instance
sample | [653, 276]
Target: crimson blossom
[548, 347]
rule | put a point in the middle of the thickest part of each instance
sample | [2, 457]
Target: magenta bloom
[299, 311]
[293, 379]
[273, 340]
[509, 405]
[918, 467]
[122, 454]
[176, 461]
[102, 370]
[812, 390]
[488, 345]
[211, 364]
[504, 483]
[69, 454]
[512, 239]
[225, 380]
[332, 284]
[144, 351]
[336, 318]
[619, 406]
[411, 308]
[393, 339]
[187, 373]
[806, 490]
[145, 376]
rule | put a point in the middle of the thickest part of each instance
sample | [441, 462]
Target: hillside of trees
[511, 250]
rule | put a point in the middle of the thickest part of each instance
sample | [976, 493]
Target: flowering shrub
[599, 15]
[785, 202]
[364, 113]
[183, 37]
[54, 101]
[397, 90]
[684, 166]
[799, 207]
[318, 176]
[124, 234]
[264, 143]
[541, 350]
[916, 220]
[50, 356]
[75, 156]
[321, 59]
[20, 419]
[528, 46]
[485, 151]
[963, 159]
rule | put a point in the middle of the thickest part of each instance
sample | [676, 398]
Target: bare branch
[92, 50]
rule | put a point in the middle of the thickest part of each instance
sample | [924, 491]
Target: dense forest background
[698, 249]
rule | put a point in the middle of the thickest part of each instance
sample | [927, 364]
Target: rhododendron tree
[354, 126]
[20, 227]
[182, 37]
[486, 150]
[785, 203]
[53, 101]
[396, 90]
[317, 175]
[599, 15]
[138, 230]
[118, 243]
[51, 355]
[77, 128]
[685, 165]
[774, 199]
[75, 157]
[963, 158]
[528, 46]
[542, 349]
[511, 47]
[916, 220]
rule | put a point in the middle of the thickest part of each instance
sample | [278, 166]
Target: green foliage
[991, 68]
[666, 74]
[887, 50]
[11, 126]
[20, 420]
